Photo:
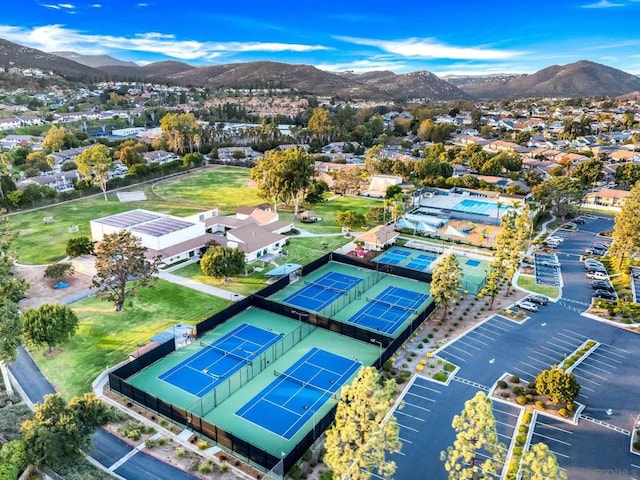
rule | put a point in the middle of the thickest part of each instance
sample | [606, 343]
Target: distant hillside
[159, 71]
[580, 79]
[420, 84]
[14, 55]
[94, 61]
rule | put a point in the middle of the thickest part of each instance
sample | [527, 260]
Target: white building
[172, 238]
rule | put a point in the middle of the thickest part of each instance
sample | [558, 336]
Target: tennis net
[391, 305]
[226, 353]
[306, 384]
[327, 287]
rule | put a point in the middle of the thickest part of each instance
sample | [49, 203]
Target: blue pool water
[476, 206]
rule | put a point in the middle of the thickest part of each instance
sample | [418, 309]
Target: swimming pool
[477, 206]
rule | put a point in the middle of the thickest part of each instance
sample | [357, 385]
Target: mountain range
[582, 78]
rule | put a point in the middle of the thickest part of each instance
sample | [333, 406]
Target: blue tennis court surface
[393, 256]
[473, 263]
[323, 291]
[389, 309]
[205, 369]
[421, 262]
[292, 399]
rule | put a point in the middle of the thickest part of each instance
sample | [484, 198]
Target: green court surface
[373, 284]
[474, 273]
[219, 406]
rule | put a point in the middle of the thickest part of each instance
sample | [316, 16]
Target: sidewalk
[201, 287]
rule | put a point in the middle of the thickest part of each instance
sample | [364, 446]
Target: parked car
[595, 251]
[635, 274]
[555, 239]
[539, 299]
[597, 275]
[570, 225]
[606, 294]
[549, 263]
[602, 285]
[524, 305]
[592, 262]
[579, 221]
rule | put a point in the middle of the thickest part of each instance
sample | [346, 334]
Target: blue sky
[444, 37]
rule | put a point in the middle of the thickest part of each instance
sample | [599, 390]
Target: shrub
[504, 394]
[420, 345]
[531, 385]
[526, 418]
[202, 445]
[521, 439]
[563, 412]
[386, 366]
[517, 390]
[517, 451]
[180, 452]
[521, 400]
[295, 472]
[571, 407]
[194, 465]
[307, 455]
[523, 429]
[150, 443]
[540, 405]
[205, 469]
[502, 384]
[440, 377]
[449, 367]
[326, 475]
[529, 397]
[514, 379]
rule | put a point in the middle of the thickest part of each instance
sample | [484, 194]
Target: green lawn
[328, 211]
[225, 188]
[184, 195]
[106, 337]
[529, 284]
[303, 250]
[244, 285]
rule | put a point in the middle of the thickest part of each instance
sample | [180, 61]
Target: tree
[492, 284]
[12, 289]
[559, 194]
[539, 463]
[320, 124]
[130, 155]
[49, 324]
[122, 268]
[559, 386]
[58, 270]
[392, 191]
[94, 164]
[14, 453]
[10, 331]
[628, 174]
[58, 431]
[79, 246]
[589, 171]
[626, 229]
[222, 262]
[54, 139]
[446, 282]
[350, 219]
[476, 439]
[362, 434]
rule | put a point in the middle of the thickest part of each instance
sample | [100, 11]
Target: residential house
[61, 182]
[159, 156]
[9, 123]
[255, 241]
[379, 237]
[67, 155]
[606, 197]
[13, 141]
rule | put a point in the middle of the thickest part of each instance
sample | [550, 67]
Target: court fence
[226, 440]
[257, 365]
[382, 267]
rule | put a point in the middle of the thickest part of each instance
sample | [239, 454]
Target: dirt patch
[41, 289]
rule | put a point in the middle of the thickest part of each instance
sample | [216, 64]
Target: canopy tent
[424, 227]
[404, 223]
[285, 269]
[454, 232]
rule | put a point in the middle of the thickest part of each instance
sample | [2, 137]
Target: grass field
[300, 250]
[529, 283]
[106, 337]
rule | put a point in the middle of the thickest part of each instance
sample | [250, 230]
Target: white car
[555, 239]
[529, 306]
[597, 275]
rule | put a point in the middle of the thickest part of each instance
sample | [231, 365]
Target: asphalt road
[596, 448]
[107, 448]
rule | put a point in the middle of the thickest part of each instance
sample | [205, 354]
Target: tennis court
[407, 258]
[389, 309]
[207, 368]
[294, 397]
[323, 291]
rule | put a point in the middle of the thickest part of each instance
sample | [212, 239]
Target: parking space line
[406, 426]
[582, 366]
[409, 415]
[453, 345]
[597, 354]
[605, 424]
[468, 345]
[488, 326]
[549, 349]
[543, 362]
[616, 348]
[557, 454]
[583, 396]
[592, 359]
[427, 388]
[404, 404]
[444, 354]
[634, 465]
[574, 334]
[555, 359]
[571, 344]
[504, 412]
[582, 377]
[472, 339]
[571, 337]
[523, 371]
[421, 397]
[587, 388]
[553, 427]
[404, 440]
[552, 439]
[606, 354]
[486, 336]
[584, 372]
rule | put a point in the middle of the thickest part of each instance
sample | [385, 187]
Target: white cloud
[429, 48]
[67, 6]
[59, 6]
[96, 5]
[57, 38]
[47, 5]
[603, 4]
[142, 5]
[362, 66]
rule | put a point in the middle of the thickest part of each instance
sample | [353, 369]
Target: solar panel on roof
[161, 226]
[128, 219]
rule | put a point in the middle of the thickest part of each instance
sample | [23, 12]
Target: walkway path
[201, 287]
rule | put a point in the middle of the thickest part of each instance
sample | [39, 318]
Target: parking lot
[547, 271]
[593, 449]
[635, 284]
